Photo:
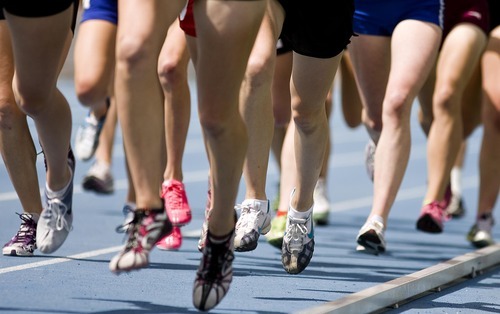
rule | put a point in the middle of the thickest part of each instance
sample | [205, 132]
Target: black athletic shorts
[38, 8]
[494, 6]
[318, 28]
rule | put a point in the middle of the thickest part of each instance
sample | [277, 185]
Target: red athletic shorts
[186, 19]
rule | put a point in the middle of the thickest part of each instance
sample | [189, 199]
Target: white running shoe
[87, 137]
[255, 219]
[99, 179]
[298, 244]
[371, 238]
[321, 208]
[56, 219]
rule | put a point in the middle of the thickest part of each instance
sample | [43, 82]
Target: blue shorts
[380, 17]
[106, 10]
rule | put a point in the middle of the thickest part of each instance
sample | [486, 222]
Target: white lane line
[61, 259]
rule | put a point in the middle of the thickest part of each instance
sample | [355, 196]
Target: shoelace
[58, 209]
[175, 202]
[437, 211]
[127, 211]
[27, 230]
[250, 215]
[295, 232]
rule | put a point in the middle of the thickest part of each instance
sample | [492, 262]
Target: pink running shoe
[172, 242]
[176, 203]
[432, 217]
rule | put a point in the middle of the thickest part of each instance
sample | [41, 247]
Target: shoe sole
[370, 244]
[92, 185]
[13, 252]
[427, 224]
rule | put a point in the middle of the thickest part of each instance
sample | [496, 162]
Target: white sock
[60, 193]
[377, 218]
[456, 181]
[296, 214]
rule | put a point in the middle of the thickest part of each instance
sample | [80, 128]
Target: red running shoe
[176, 203]
[432, 217]
[172, 242]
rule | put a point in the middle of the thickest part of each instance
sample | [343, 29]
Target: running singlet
[106, 10]
[380, 17]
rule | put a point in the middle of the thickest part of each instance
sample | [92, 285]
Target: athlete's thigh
[472, 101]
[94, 52]
[143, 24]
[459, 56]
[414, 49]
[226, 32]
[312, 79]
[40, 46]
[491, 68]
[371, 59]
[6, 61]
[174, 51]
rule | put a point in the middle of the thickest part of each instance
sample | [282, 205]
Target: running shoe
[371, 238]
[255, 219]
[214, 274]
[278, 228]
[56, 219]
[456, 209]
[99, 179]
[432, 217]
[176, 203]
[321, 209]
[144, 231]
[24, 242]
[480, 233]
[298, 244]
[370, 158]
[87, 136]
[172, 242]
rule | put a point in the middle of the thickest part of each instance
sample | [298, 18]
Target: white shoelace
[248, 217]
[296, 232]
[56, 214]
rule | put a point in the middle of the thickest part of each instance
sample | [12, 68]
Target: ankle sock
[296, 214]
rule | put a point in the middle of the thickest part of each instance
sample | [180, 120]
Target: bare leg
[222, 124]
[16, 144]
